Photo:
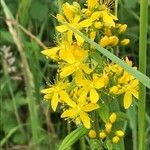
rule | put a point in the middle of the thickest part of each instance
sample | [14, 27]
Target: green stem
[142, 68]
[5, 67]
[60, 3]
[116, 8]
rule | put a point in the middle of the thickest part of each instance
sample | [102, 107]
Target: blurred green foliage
[15, 124]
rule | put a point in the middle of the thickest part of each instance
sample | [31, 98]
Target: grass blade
[142, 68]
[137, 74]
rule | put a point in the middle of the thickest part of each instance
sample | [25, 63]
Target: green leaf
[95, 144]
[73, 137]
[137, 74]
[104, 112]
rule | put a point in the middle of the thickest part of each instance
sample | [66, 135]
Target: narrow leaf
[137, 74]
[73, 137]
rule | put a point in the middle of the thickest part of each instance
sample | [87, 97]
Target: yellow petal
[76, 19]
[68, 11]
[90, 107]
[79, 39]
[85, 23]
[86, 69]
[66, 71]
[69, 36]
[83, 97]
[47, 91]
[94, 96]
[92, 3]
[65, 97]
[54, 101]
[67, 55]
[47, 96]
[71, 113]
[62, 28]
[95, 15]
[108, 20]
[127, 100]
[52, 52]
[85, 119]
[135, 93]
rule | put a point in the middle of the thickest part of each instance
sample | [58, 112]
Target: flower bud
[122, 28]
[104, 41]
[119, 133]
[113, 117]
[113, 40]
[98, 25]
[125, 42]
[115, 139]
[92, 134]
[93, 35]
[108, 127]
[102, 135]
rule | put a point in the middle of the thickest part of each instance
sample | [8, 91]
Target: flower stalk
[142, 68]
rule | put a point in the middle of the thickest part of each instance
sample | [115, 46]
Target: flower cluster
[82, 82]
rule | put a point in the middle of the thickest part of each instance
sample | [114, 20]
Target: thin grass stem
[142, 68]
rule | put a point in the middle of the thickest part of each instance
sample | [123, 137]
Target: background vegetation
[26, 119]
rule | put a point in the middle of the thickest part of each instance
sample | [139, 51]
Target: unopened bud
[113, 117]
[122, 28]
[92, 134]
[115, 139]
[113, 40]
[104, 41]
[102, 135]
[119, 133]
[98, 25]
[125, 42]
[108, 127]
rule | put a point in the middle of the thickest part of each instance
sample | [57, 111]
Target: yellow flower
[53, 93]
[131, 89]
[74, 21]
[74, 58]
[91, 86]
[78, 109]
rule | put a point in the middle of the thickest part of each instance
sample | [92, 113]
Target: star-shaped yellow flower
[53, 93]
[91, 86]
[74, 58]
[74, 21]
[78, 109]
